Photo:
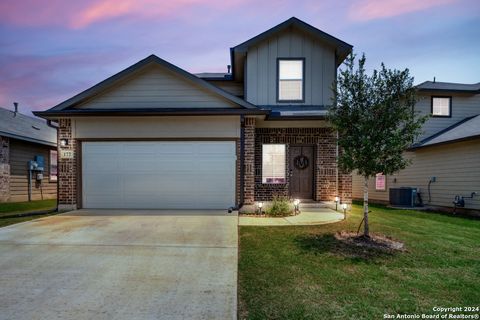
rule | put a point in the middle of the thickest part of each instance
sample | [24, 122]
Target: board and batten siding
[456, 167]
[156, 87]
[20, 153]
[156, 127]
[261, 68]
[463, 106]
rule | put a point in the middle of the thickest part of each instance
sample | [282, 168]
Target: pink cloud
[81, 14]
[365, 10]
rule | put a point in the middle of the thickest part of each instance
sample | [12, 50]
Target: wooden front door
[301, 163]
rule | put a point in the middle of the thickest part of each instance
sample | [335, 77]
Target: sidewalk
[309, 216]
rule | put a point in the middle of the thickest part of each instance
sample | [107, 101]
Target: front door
[301, 162]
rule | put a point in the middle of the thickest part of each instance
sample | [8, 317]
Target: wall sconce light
[63, 142]
[344, 207]
[259, 207]
[337, 200]
[296, 205]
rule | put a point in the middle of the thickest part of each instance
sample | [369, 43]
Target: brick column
[326, 174]
[4, 169]
[67, 167]
[249, 162]
[345, 187]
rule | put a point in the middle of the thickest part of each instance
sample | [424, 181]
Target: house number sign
[66, 154]
[301, 162]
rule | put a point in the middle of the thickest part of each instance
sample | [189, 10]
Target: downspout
[49, 123]
[336, 167]
[336, 142]
[242, 160]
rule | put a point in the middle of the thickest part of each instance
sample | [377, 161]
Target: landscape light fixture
[344, 207]
[259, 206]
[296, 204]
[337, 200]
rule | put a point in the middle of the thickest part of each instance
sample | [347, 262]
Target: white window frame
[377, 186]
[440, 115]
[272, 175]
[279, 80]
[53, 165]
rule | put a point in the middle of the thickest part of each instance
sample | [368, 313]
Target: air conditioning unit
[403, 197]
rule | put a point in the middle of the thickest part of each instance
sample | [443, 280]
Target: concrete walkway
[120, 264]
[308, 216]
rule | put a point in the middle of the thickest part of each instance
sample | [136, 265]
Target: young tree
[375, 119]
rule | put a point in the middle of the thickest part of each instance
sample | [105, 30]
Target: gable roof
[66, 106]
[19, 126]
[342, 48]
[449, 87]
[466, 129]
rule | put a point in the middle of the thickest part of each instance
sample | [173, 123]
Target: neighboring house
[24, 139]
[156, 136]
[446, 157]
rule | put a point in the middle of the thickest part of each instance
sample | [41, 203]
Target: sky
[51, 50]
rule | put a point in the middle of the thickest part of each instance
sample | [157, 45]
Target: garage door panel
[170, 175]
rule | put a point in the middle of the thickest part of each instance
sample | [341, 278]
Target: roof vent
[15, 108]
[229, 67]
[433, 79]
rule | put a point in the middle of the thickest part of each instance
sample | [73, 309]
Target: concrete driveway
[120, 264]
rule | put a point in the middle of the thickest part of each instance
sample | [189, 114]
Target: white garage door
[158, 175]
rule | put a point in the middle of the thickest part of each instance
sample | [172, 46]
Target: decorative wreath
[301, 162]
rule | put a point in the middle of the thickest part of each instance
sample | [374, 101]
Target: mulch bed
[375, 241]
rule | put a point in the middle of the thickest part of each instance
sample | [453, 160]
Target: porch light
[337, 200]
[63, 142]
[296, 204]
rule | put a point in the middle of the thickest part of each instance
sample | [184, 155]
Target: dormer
[291, 64]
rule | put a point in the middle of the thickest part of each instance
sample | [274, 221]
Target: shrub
[280, 207]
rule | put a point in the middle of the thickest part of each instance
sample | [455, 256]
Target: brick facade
[67, 168]
[4, 169]
[325, 180]
[249, 161]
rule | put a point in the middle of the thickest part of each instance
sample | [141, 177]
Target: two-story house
[446, 157]
[157, 136]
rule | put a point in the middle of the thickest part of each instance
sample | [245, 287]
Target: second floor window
[290, 80]
[441, 106]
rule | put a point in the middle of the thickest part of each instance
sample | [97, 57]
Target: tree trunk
[366, 231]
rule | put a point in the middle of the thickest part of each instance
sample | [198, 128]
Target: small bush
[279, 207]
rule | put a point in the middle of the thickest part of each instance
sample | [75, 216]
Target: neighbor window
[380, 182]
[441, 106]
[53, 165]
[290, 79]
[273, 163]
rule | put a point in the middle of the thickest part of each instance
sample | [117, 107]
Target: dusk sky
[52, 50]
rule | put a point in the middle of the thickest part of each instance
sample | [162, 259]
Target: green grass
[305, 273]
[9, 210]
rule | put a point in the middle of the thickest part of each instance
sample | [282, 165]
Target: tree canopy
[375, 118]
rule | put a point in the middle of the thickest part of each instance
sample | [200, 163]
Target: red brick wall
[67, 168]
[249, 161]
[324, 140]
[4, 169]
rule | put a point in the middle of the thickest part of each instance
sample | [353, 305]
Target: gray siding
[463, 105]
[157, 127]
[456, 167]
[20, 153]
[157, 87]
[232, 87]
[261, 68]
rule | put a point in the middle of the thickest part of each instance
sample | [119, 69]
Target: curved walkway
[308, 217]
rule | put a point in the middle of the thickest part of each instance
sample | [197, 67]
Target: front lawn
[15, 212]
[305, 273]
